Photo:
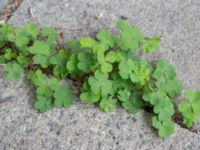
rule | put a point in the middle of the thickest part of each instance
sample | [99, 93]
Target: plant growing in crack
[107, 68]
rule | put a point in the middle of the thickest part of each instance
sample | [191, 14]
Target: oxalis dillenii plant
[105, 67]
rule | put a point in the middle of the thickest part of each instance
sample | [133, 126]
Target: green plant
[107, 68]
[190, 109]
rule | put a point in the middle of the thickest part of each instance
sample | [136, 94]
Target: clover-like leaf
[106, 38]
[190, 110]
[72, 64]
[164, 109]
[165, 128]
[43, 103]
[100, 84]
[32, 29]
[130, 37]
[63, 97]
[108, 104]
[85, 62]
[89, 97]
[21, 38]
[133, 104]
[60, 60]
[138, 72]
[40, 47]
[14, 71]
[171, 87]
[164, 71]
[151, 44]
[155, 97]
[87, 42]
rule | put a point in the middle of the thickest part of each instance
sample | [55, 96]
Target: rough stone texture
[177, 22]
[3, 4]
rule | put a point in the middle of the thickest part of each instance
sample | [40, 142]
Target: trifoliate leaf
[108, 104]
[106, 38]
[154, 98]
[133, 104]
[32, 29]
[151, 44]
[171, 87]
[72, 63]
[41, 60]
[23, 60]
[123, 95]
[110, 57]
[51, 35]
[9, 54]
[74, 46]
[21, 38]
[14, 71]
[87, 42]
[63, 97]
[60, 60]
[100, 84]
[38, 78]
[43, 104]
[165, 128]
[164, 71]
[89, 97]
[164, 109]
[130, 36]
[119, 83]
[137, 72]
[44, 90]
[53, 83]
[190, 110]
[85, 62]
[40, 47]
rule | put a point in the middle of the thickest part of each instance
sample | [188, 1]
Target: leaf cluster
[190, 109]
[106, 67]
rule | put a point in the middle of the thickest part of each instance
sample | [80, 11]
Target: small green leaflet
[60, 60]
[106, 38]
[87, 42]
[32, 29]
[130, 102]
[14, 71]
[151, 44]
[130, 37]
[100, 84]
[137, 72]
[43, 104]
[40, 47]
[165, 128]
[190, 110]
[85, 62]
[108, 104]
[164, 71]
[21, 38]
[63, 97]
[89, 97]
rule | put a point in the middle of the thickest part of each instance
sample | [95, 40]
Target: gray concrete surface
[177, 22]
[3, 4]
